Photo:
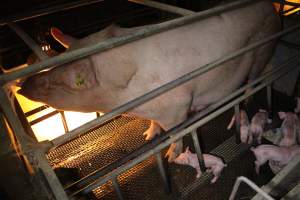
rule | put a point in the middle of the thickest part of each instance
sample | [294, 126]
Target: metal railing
[111, 172]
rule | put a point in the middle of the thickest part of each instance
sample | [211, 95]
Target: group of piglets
[278, 155]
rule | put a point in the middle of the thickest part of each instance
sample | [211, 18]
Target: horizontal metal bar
[157, 140]
[36, 110]
[43, 117]
[182, 133]
[170, 85]
[29, 41]
[164, 7]
[47, 11]
[251, 184]
[117, 41]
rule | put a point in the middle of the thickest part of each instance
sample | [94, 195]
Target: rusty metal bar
[117, 41]
[170, 85]
[29, 41]
[47, 11]
[184, 132]
[198, 151]
[164, 7]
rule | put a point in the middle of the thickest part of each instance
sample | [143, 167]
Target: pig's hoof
[152, 131]
[173, 151]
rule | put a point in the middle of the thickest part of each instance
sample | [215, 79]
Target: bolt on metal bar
[269, 101]
[29, 41]
[117, 41]
[48, 10]
[198, 151]
[237, 123]
[117, 187]
[164, 7]
[170, 85]
[163, 173]
[183, 132]
[251, 184]
[157, 140]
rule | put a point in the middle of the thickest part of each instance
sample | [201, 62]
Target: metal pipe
[181, 134]
[29, 41]
[269, 101]
[163, 173]
[198, 151]
[237, 123]
[170, 85]
[117, 188]
[48, 10]
[117, 41]
[164, 7]
[251, 184]
[174, 130]
[64, 121]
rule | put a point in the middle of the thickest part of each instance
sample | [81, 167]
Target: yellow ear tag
[79, 80]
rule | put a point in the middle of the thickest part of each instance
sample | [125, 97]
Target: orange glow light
[287, 7]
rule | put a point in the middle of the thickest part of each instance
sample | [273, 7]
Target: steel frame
[35, 152]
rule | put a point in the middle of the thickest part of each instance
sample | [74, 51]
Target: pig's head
[68, 87]
[184, 158]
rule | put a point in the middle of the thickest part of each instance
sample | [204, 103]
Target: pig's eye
[79, 80]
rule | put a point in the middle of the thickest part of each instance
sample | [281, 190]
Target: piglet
[213, 164]
[274, 154]
[290, 128]
[245, 134]
[258, 122]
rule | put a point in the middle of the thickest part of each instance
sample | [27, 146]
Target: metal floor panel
[115, 139]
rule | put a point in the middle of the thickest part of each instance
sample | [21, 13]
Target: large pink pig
[274, 154]
[290, 128]
[102, 81]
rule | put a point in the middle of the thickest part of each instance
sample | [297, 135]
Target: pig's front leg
[174, 150]
[152, 131]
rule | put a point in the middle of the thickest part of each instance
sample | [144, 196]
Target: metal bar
[293, 194]
[52, 180]
[251, 184]
[163, 173]
[237, 123]
[43, 117]
[181, 134]
[198, 151]
[64, 121]
[117, 187]
[164, 7]
[29, 41]
[36, 110]
[48, 10]
[157, 140]
[117, 41]
[269, 101]
[288, 175]
[170, 85]
[289, 3]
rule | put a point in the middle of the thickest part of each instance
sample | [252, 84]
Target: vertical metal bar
[64, 121]
[163, 173]
[117, 187]
[269, 100]
[198, 150]
[29, 41]
[237, 123]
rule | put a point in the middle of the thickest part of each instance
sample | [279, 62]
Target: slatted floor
[121, 136]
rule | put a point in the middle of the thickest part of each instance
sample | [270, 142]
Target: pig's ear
[63, 39]
[281, 115]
